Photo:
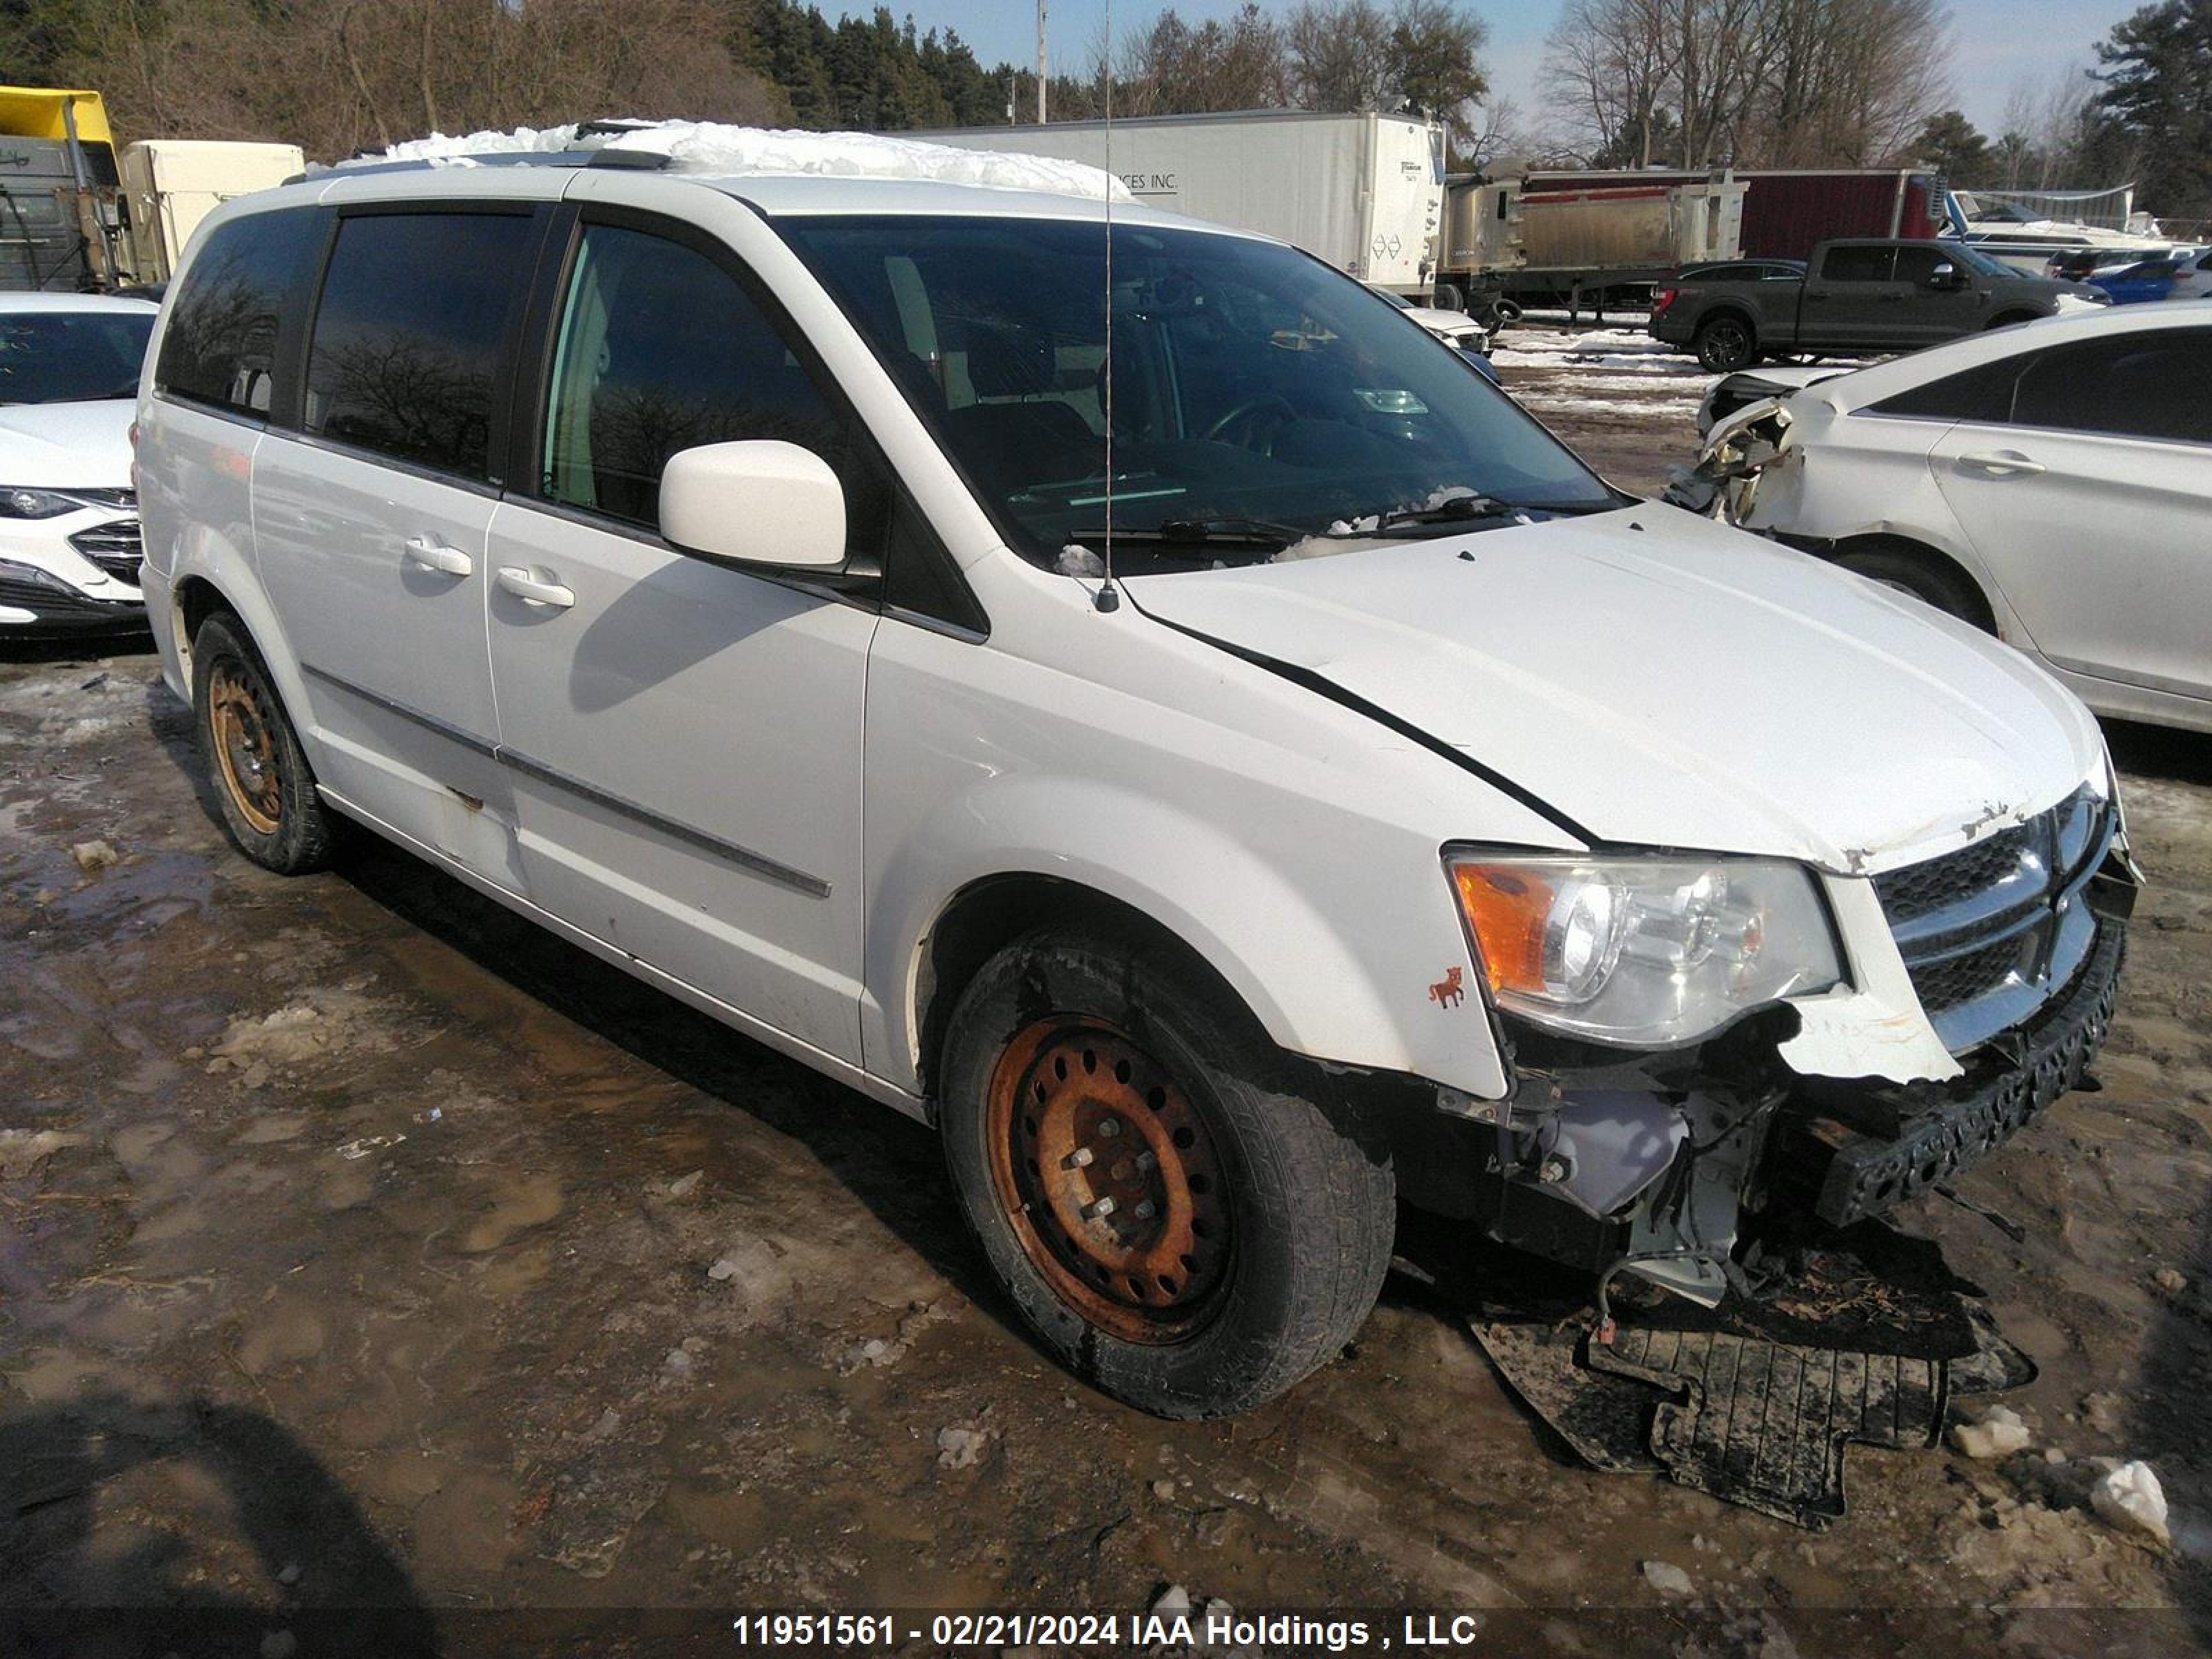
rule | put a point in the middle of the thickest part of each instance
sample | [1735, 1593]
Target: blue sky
[1996, 44]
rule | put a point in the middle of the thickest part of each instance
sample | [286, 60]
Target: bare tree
[1746, 82]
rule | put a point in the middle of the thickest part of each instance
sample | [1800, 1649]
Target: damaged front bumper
[1663, 1165]
[1850, 1152]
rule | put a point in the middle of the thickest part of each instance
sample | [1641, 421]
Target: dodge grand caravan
[717, 569]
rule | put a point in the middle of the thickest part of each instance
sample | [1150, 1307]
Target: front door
[684, 737]
[370, 523]
[1927, 313]
[2093, 505]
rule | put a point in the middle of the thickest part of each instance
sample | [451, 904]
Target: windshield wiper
[1454, 511]
[1228, 531]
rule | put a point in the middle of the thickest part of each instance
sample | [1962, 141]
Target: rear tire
[1248, 1232]
[1923, 575]
[263, 783]
[1725, 344]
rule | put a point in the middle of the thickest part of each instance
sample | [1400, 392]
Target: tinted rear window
[220, 344]
[2147, 384]
[1858, 264]
[408, 333]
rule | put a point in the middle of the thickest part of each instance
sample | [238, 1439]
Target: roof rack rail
[646, 160]
[640, 159]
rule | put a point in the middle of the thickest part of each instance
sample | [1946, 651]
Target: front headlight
[1649, 951]
[23, 503]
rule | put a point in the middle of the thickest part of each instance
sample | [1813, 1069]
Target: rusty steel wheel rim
[245, 753]
[1110, 1179]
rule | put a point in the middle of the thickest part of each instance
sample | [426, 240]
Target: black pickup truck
[1866, 295]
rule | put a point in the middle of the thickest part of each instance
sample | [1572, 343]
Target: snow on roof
[715, 149]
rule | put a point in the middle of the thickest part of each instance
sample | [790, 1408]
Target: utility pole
[1041, 63]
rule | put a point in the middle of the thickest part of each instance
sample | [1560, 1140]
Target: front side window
[72, 356]
[220, 344]
[408, 335]
[658, 350]
[1857, 264]
[1250, 383]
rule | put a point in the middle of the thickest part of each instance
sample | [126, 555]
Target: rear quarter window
[1981, 393]
[220, 345]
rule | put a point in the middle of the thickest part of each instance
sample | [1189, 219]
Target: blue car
[2146, 279]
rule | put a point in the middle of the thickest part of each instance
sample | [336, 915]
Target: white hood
[55, 445]
[1660, 680]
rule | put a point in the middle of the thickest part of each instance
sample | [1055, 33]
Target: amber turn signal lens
[1506, 908]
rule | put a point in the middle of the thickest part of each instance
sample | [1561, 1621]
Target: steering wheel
[1247, 413]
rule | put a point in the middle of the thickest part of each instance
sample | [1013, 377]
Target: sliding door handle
[514, 579]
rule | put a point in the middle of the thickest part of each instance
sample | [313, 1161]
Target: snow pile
[1999, 1434]
[714, 148]
[2130, 1495]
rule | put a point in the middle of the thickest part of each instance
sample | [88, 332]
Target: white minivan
[716, 569]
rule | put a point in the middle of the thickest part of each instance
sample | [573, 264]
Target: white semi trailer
[1364, 192]
[171, 184]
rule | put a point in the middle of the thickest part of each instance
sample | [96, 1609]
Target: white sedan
[68, 520]
[2050, 482]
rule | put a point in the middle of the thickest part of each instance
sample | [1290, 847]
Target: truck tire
[1725, 343]
[1177, 1223]
[1927, 576]
[263, 784]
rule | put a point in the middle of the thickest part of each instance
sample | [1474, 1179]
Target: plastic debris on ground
[1866, 1337]
[718, 150]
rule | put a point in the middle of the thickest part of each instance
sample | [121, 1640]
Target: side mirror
[759, 501]
[1946, 276]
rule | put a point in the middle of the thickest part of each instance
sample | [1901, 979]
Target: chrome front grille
[1990, 932]
[115, 547]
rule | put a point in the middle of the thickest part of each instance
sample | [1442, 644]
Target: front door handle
[514, 579]
[2002, 463]
[436, 556]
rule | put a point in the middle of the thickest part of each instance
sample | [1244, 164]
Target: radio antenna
[1107, 597]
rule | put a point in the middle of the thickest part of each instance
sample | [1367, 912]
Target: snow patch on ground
[716, 149]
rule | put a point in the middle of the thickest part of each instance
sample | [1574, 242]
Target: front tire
[1924, 576]
[1725, 344]
[263, 783]
[1179, 1226]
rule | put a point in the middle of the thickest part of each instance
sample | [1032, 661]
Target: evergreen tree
[2155, 109]
[1951, 145]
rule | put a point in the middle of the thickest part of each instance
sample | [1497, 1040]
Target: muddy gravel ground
[365, 1247]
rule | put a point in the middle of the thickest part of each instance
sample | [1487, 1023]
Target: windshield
[1976, 259]
[1255, 390]
[71, 356]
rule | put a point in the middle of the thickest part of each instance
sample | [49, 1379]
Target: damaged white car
[857, 608]
[2050, 484]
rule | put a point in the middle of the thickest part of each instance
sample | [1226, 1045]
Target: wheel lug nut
[1144, 1211]
[1076, 1159]
[1099, 1209]
[1109, 1127]
[1147, 1163]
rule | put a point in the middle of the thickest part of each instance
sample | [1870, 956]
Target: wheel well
[2005, 319]
[196, 598]
[1730, 313]
[1984, 618]
[985, 916]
